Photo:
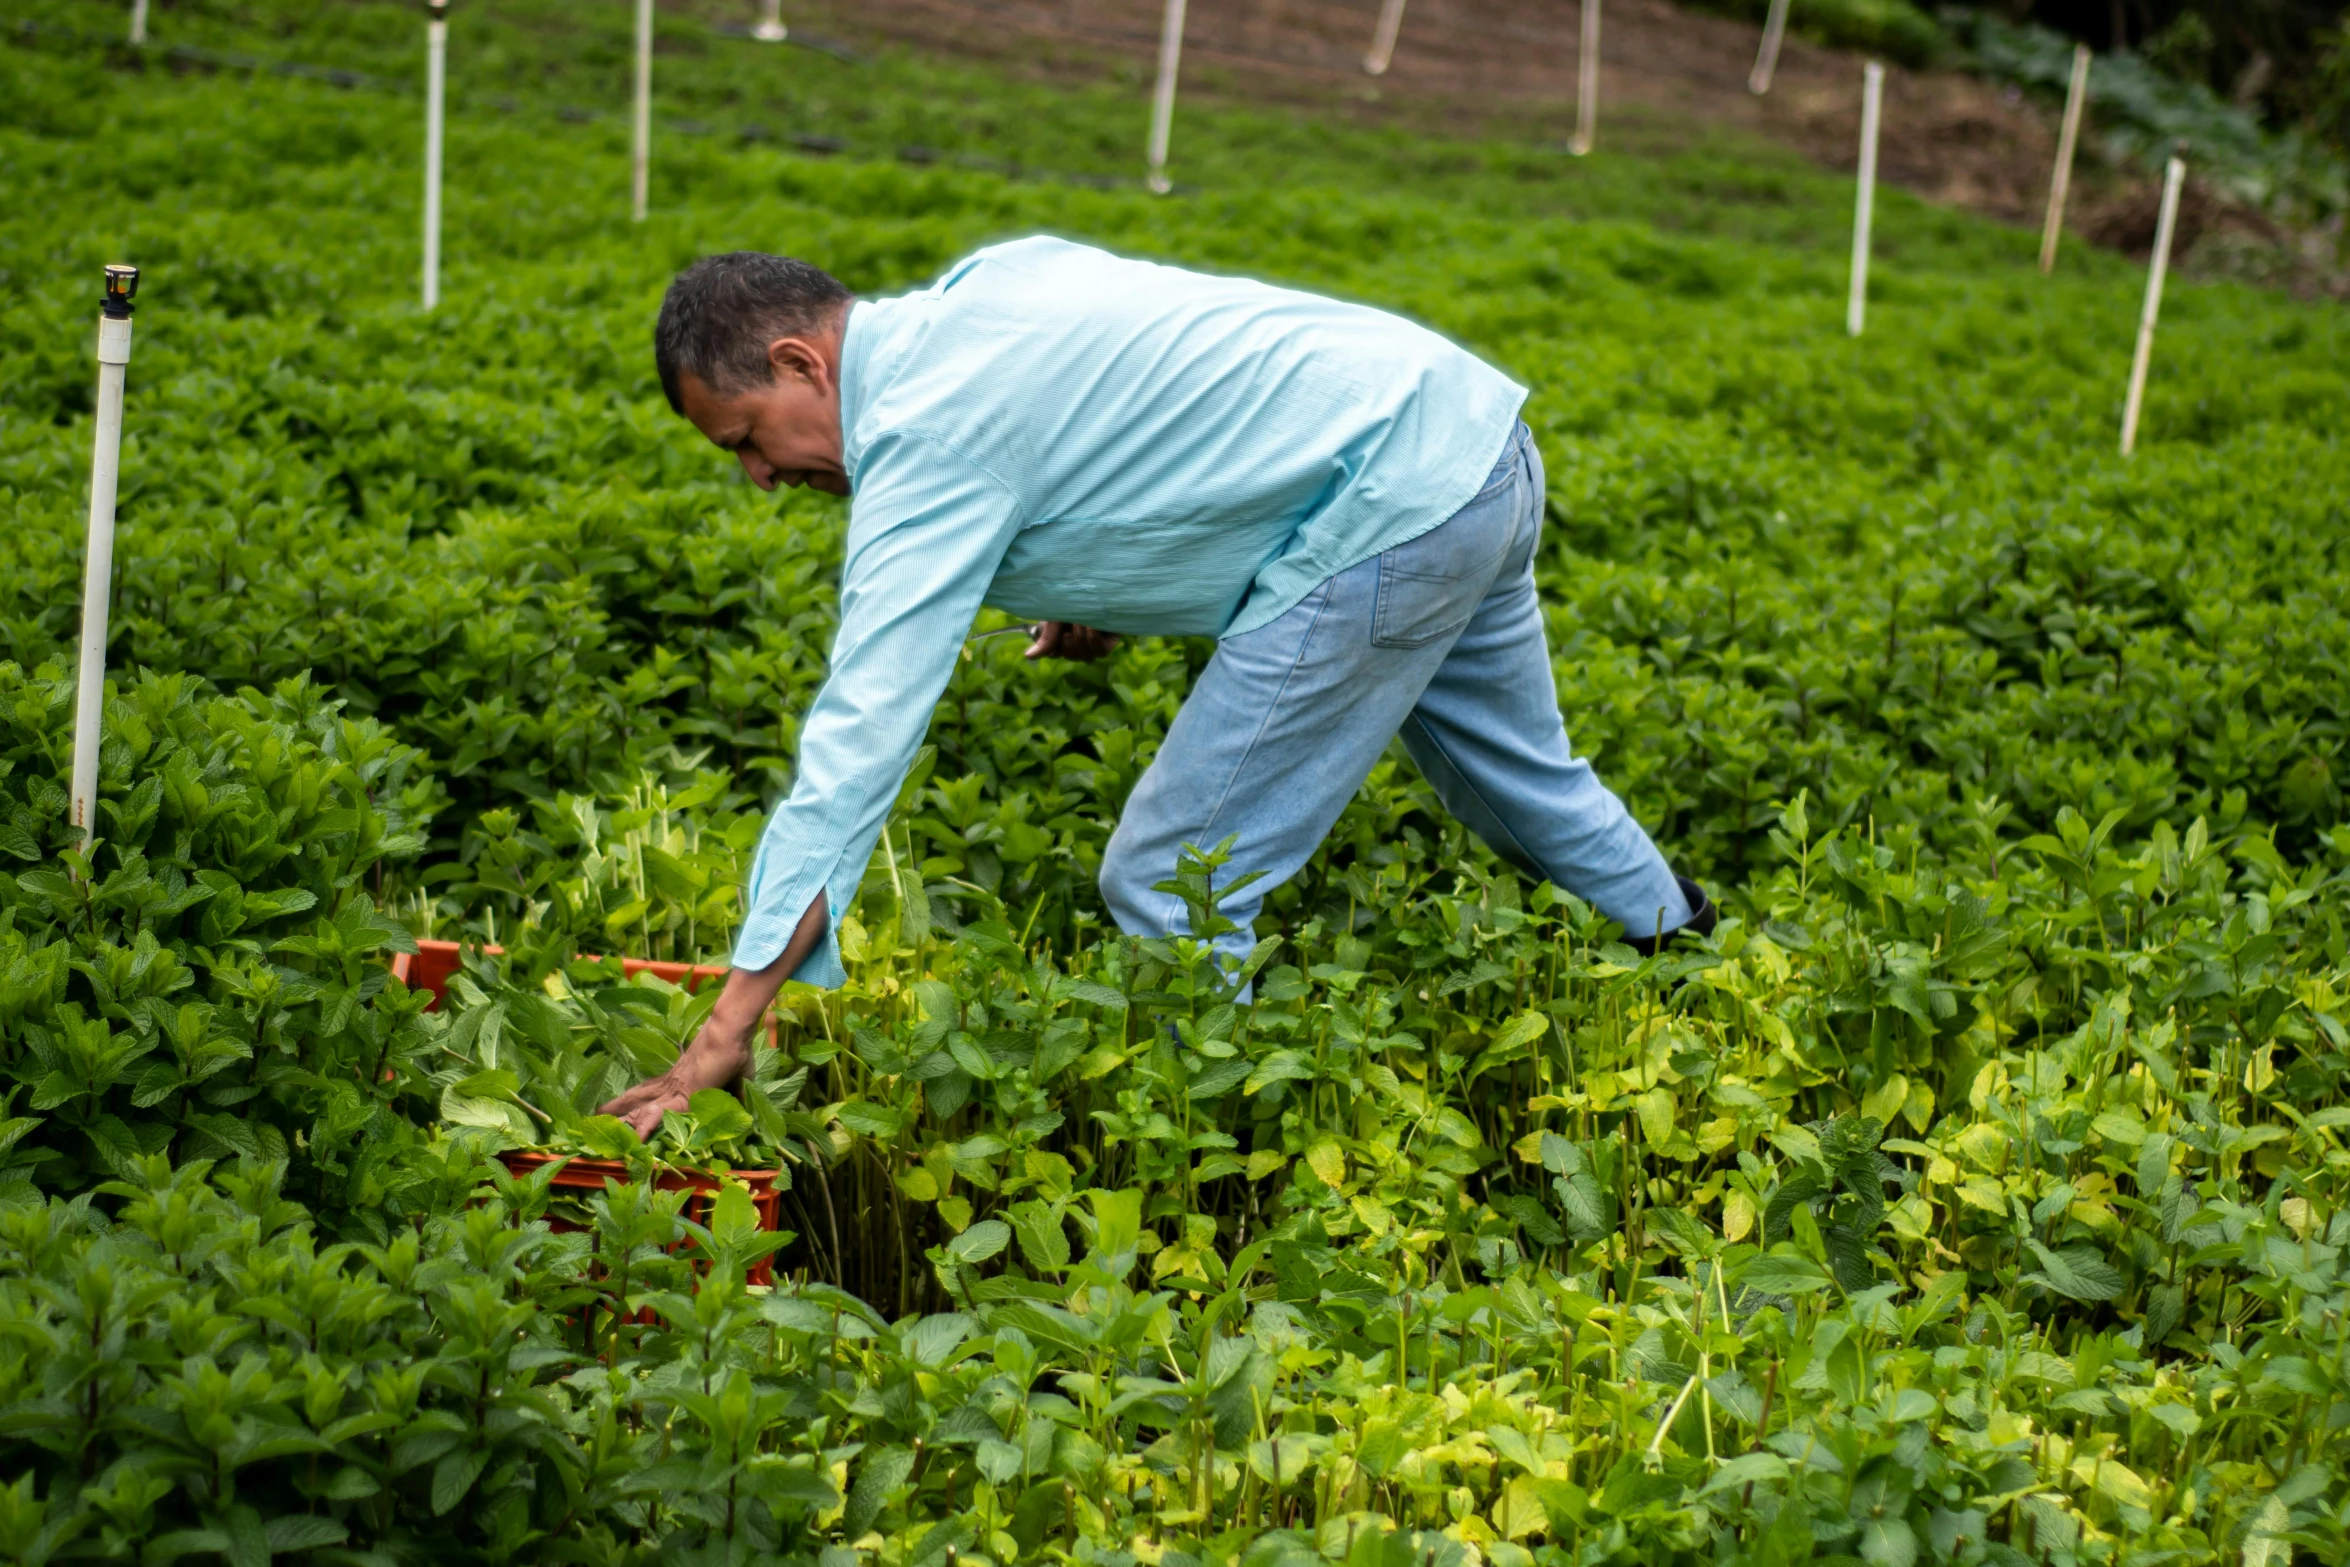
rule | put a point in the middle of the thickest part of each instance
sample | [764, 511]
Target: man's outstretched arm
[721, 1052]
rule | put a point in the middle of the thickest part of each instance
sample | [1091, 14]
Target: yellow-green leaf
[1886, 1099]
[1655, 1109]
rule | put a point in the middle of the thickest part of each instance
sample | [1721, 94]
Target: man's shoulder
[1031, 253]
[979, 280]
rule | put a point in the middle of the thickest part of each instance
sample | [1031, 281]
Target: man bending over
[1344, 500]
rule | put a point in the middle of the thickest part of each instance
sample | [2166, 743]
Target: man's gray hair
[721, 313]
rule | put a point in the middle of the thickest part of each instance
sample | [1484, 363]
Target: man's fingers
[1062, 639]
[644, 1119]
[642, 1106]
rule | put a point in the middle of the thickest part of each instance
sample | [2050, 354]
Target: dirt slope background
[1667, 76]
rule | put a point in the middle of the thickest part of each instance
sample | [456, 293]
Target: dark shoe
[1702, 915]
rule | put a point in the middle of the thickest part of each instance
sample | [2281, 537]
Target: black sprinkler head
[121, 283]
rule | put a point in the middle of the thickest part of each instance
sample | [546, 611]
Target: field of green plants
[1978, 1193]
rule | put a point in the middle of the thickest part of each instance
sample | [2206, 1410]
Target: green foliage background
[1975, 1195]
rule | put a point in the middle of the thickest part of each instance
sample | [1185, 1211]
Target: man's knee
[1125, 881]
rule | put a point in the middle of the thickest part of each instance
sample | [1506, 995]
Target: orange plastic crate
[589, 1175]
[430, 966]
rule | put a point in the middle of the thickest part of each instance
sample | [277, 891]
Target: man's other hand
[1065, 639]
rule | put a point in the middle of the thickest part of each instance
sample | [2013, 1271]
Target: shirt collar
[856, 342]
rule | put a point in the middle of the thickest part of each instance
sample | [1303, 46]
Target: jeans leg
[1487, 735]
[1278, 734]
[1440, 638]
[1287, 720]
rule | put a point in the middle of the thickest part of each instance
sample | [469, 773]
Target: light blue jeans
[1440, 639]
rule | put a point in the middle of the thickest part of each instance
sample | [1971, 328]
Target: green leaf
[303, 1532]
[2077, 1272]
[1218, 1078]
[496, 1083]
[980, 1242]
[1044, 1239]
[1783, 1273]
[1747, 1469]
[1117, 1221]
[454, 1475]
[1091, 992]
[166, 1548]
[930, 1341]
[490, 1114]
[1888, 1542]
[2265, 1536]
[883, 1471]
[718, 1114]
[871, 1120]
[1519, 1032]
[1281, 1065]
[966, 1054]
[1656, 1112]
[1585, 1207]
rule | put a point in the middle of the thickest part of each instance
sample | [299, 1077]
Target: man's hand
[716, 1058]
[1065, 639]
[721, 1052]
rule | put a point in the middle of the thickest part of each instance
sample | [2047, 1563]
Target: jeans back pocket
[1429, 587]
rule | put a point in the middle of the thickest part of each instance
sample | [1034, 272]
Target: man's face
[786, 432]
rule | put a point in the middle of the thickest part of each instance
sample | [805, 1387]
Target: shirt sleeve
[927, 529]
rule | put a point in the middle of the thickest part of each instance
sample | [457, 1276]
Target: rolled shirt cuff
[762, 941]
[778, 898]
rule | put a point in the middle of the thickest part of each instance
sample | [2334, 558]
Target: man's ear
[800, 359]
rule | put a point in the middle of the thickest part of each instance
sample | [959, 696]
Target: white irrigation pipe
[2172, 178]
[1766, 59]
[138, 21]
[89, 709]
[640, 167]
[1383, 38]
[1163, 95]
[1864, 203]
[2075, 99]
[770, 29]
[436, 82]
[1587, 84]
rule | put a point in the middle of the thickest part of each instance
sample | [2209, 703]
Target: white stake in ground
[1864, 203]
[89, 710]
[1766, 59]
[640, 167]
[1587, 84]
[436, 82]
[2172, 178]
[2075, 99]
[1163, 95]
[138, 21]
[1383, 38]
[770, 28]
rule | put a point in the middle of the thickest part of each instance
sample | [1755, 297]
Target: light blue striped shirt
[1068, 435]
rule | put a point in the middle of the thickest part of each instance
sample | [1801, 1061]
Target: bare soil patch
[1493, 67]
[1486, 67]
